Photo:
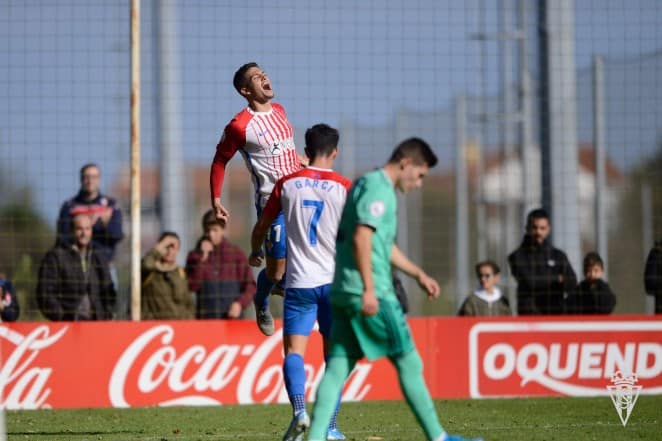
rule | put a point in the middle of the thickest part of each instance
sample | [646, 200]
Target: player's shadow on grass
[69, 432]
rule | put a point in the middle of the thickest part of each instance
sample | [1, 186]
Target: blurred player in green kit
[367, 317]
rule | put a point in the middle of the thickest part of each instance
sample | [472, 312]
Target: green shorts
[385, 334]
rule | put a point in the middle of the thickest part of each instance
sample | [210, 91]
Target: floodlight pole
[135, 160]
[461, 204]
[558, 121]
[600, 160]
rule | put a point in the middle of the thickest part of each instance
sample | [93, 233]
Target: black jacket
[104, 237]
[11, 309]
[592, 298]
[544, 278]
[653, 275]
[63, 284]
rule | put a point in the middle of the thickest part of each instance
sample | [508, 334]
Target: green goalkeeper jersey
[372, 202]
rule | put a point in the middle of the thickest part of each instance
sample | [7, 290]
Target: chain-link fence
[379, 72]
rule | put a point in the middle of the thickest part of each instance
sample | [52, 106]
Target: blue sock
[264, 285]
[295, 381]
[334, 418]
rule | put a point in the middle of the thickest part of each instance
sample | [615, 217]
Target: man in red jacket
[218, 272]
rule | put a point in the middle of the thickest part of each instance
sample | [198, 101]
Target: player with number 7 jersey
[312, 202]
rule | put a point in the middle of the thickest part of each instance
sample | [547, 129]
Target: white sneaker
[265, 321]
[300, 423]
[334, 435]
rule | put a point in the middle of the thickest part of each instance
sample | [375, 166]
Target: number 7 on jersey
[314, 219]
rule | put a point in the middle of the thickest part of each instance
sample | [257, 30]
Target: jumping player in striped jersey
[265, 139]
[311, 201]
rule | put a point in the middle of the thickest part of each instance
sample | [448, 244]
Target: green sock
[337, 370]
[412, 383]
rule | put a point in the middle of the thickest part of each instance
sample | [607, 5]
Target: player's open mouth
[266, 86]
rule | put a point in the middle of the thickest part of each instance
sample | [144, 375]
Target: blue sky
[64, 68]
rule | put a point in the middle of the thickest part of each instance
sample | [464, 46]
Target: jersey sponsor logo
[276, 148]
[377, 208]
[561, 358]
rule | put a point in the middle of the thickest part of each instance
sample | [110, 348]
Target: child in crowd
[593, 295]
[487, 300]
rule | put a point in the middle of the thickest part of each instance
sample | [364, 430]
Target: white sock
[442, 437]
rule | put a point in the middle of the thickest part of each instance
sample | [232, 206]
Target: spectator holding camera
[165, 294]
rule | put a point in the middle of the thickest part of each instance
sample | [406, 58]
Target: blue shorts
[275, 244]
[302, 306]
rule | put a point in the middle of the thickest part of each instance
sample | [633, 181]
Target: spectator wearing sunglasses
[486, 299]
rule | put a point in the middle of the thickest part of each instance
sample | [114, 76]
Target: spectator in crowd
[218, 272]
[593, 295]
[653, 275]
[487, 300]
[104, 211]
[74, 280]
[165, 294]
[9, 309]
[544, 275]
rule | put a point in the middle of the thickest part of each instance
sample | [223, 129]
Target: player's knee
[409, 363]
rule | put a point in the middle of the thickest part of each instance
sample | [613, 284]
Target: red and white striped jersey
[266, 141]
[312, 201]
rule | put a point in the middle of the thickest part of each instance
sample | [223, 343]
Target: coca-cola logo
[22, 384]
[566, 358]
[153, 365]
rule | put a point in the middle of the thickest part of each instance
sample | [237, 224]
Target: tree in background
[627, 252]
[24, 238]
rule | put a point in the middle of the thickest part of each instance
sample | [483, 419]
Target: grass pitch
[503, 419]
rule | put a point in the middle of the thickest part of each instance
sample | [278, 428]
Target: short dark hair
[321, 140]
[169, 234]
[415, 149]
[538, 213]
[209, 219]
[592, 259]
[84, 168]
[492, 264]
[239, 80]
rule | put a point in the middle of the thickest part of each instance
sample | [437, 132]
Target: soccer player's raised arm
[402, 262]
[225, 149]
[362, 244]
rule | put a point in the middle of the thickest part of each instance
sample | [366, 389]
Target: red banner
[126, 364]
